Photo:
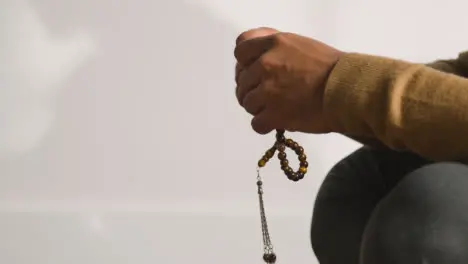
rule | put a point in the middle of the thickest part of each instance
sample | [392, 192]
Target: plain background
[121, 140]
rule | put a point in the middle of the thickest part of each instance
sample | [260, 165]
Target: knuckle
[237, 52]
[238, 73]
[243, 77]
[237, 93]
[266, 62]
[280, 38]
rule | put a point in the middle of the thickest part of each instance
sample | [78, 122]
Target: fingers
[238, 71]
[254, 101]
[250, 50]
[262, 123]
[248, 80]
[251, 44]
[251, 94]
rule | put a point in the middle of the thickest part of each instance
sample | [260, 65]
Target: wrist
[334, 71]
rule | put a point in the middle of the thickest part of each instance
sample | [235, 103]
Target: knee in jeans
[411, 242]
[422, 220]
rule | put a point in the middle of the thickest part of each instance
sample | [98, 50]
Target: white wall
[121, 140]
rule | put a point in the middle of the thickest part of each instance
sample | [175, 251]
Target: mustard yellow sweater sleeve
[406, 106]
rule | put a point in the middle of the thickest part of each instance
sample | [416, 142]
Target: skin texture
[281, 78]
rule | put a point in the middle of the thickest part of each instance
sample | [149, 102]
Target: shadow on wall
[134, 108]
[34, 64]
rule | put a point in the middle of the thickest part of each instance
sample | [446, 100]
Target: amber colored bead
[270, 153]
[292, 176]
[299, 150]
[281, 155]
[287, 169]
[302, 157]
[289, 142]
[304, 164]
[281, 147]
[262, 162]
[303, 170]
[284, 162]
[294, 145]
[300, 176]
[280, 137]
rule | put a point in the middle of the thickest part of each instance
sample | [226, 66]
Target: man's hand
[280, 80]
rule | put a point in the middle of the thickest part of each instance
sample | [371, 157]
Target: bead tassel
[280, 145]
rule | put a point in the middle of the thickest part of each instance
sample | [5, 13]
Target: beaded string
[280, 145]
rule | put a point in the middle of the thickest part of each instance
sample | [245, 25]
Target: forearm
[403, 105]
[454, 66]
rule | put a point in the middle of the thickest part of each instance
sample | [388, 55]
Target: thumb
[256, 33]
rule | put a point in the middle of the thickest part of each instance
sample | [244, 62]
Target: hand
[281, 79]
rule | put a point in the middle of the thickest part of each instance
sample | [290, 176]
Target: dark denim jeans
[379, 206]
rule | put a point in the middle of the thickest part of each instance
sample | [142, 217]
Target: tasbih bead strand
[266, 157]
[280, 145]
